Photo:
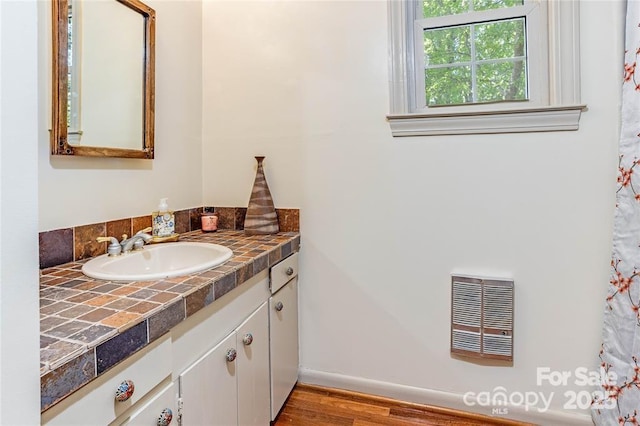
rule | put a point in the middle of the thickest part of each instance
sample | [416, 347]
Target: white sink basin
[158, 261]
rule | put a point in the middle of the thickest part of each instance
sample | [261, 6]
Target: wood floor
[317, 406]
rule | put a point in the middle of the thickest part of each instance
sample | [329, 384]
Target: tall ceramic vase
[261, 215]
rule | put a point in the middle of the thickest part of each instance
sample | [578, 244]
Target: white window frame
[554, 83]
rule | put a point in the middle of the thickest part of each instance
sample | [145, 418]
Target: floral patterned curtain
[618, 399]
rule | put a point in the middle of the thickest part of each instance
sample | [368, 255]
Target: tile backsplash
[60, 246]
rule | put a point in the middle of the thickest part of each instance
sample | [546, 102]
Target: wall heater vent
[482, 317]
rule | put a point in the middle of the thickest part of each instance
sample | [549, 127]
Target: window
[483, 66]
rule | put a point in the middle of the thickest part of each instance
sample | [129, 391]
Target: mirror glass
[103, 76]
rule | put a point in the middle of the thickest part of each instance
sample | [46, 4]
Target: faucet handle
[104, 239]
[113, 249]
[145, 230]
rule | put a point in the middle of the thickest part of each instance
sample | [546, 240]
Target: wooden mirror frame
[60, 69]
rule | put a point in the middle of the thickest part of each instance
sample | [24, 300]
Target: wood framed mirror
[103, 78]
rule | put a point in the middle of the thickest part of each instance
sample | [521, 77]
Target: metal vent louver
[482, 317]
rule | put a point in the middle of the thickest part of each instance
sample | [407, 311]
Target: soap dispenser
[164, 224]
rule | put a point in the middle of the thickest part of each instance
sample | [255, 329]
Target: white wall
[385, 221]
[253, 100]
[19, 318]
[75, 190]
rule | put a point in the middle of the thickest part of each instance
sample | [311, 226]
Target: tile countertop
[87, 325]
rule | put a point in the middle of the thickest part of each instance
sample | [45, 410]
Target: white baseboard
[437, 398]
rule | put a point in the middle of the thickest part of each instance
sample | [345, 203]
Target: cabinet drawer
[283, 272]
[164, 403]
[96, 403]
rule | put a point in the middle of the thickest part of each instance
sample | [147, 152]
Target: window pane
[448, 85]
[435, 8]
[501, 81]
[483, 62]
[500, 39]
[495, 4]
[447, 45]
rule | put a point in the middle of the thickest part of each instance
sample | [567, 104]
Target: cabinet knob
[164, 419]
[231, 355]
[289, 271]
[247, 339]
[279, 306]
[124, 390]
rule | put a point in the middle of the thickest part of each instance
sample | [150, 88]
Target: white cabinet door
[283, 323]
[164, 404]
[253, 369]
[208, 388]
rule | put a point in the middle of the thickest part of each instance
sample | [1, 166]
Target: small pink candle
[209, 222]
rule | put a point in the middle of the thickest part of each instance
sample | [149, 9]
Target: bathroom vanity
[224, 352]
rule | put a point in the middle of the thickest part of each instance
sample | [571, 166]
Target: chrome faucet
[136, 242]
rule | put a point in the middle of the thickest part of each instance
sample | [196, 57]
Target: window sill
[544, 119]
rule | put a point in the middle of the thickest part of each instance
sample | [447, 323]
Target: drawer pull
[247, 339]
[289, 271]
[231, 355]
[124, 390]
[279, 306]
[165, 417]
